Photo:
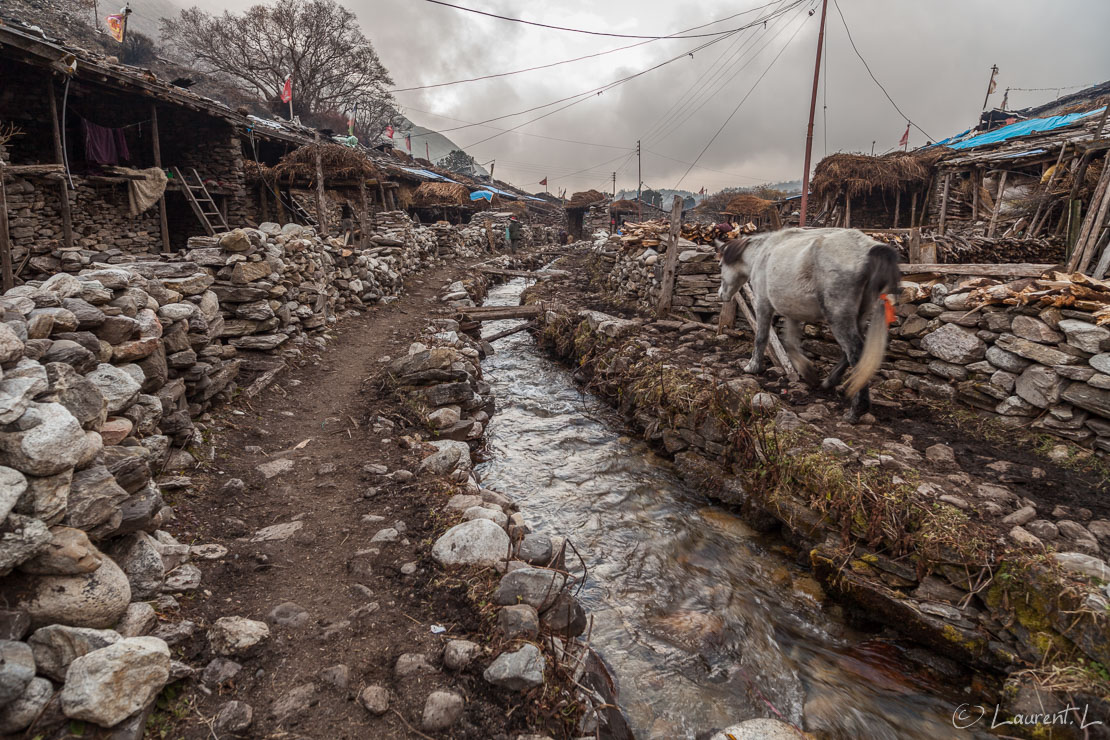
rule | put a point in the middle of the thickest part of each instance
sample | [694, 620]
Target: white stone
[480, 512]
[230, 636]
[277, 532]
[475, 542]
[759, 729]
[1085, 336]
[108, 685]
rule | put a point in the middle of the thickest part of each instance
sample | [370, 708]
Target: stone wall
[1043, 368]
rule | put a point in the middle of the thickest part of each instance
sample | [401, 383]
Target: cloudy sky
[933, 58]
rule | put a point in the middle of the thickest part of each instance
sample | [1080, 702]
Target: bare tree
[319, 42]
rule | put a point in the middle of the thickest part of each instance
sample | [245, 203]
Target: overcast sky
[933, 57]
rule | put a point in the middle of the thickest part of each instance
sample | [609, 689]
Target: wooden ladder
[201, 201]
[296, 209]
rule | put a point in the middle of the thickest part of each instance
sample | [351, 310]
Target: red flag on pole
[389, 131]
[116, 23]
[905, 140]
[408, 142]
[544, 182]
[287, 89]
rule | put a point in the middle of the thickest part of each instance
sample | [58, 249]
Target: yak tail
[882, 275]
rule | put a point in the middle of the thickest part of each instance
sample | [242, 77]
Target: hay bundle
[861, 174]
[339, 163]
[623, 206]
[585, 199]
[441, 194]
[747, 205]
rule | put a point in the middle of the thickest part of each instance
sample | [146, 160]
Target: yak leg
[846, 330]
[763, 315]
[792, 341]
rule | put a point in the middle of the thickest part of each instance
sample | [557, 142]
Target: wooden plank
[33, 170]
[6, 276]
[897, 206]
[508, 332]
[997, 204]
[158, 163]
[497, 313]
[944, 204]
[727, 319]
[777, 351]
[915, 246]
[321, 207]
[666, 291]
[1092, 224]
[1015, 270]
[59, 154]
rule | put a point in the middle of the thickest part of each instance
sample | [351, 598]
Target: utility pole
[126, 15]
[639, 183]
[872, 148]
[990, 85]
[812, 111]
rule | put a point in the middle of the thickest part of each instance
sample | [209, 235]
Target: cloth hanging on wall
[104, 145]
[142, 194]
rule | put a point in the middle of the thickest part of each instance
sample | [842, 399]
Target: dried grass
[585, 199]
[441, 194]
[337, 161]
[861, 174]
[746, 204]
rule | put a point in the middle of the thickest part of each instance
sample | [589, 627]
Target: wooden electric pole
[639, 183]
[812, 112]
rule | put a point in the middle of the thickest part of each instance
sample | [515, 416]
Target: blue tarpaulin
[1014, 130]
[426, 173]
[482, 195]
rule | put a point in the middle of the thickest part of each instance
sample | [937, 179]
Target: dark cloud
[934, 59]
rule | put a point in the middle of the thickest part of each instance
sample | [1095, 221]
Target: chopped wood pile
[654, 232]
[1054, 290]
[967, 248]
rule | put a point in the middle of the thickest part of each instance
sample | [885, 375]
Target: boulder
[13, 484]
[442, 710]
[519, 621]
[1086, 336]
[26, 708]
[57, 645]
[68, 553]
[1039, 386]
[21, 538]
[233, 718]
[953, 344]
[759, 729]
[533, 586]
[474, 542]
[1035, 330]
[231, 636]
[458, 654]
[94, 499]
[110, 684]
[45, 440]
[117, 386]
[517, 671]
[17, 668]
[79, 395]
[139, 557]
[96, 599]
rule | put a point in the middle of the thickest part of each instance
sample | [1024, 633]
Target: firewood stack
[1055, 290]
[956, 248]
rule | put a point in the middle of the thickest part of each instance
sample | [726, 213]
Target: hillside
[438, 145]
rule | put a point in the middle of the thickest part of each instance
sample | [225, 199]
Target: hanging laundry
[104, 145]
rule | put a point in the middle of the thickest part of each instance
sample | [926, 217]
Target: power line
[873, 78]
[519, 133]
[742, 100]
[588, 56]
[599, 33]
[1049, 89]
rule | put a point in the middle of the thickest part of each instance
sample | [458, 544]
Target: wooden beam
[915, 246]
[278, 203]
[1092, 225]
[1015, 270]
[774, 345]
[847, 211]
[997, 203]
[321, 203]
[897, 206]
[6, 276]
[913, 208]
[944, 204]
[976, 174]
[666, 291]
[727, 319]
[363, 214]
[158, 163]
[59, 155]
[509, 332]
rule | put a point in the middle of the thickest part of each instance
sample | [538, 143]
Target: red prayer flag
[287, 89]
[389, 131]
[408, 142]
[905, 140]
[544, 182]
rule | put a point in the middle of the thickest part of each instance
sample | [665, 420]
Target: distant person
[514, 234]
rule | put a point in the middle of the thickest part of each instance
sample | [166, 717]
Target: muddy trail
[318, 433]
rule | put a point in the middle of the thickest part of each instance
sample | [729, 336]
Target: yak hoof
[753, 368]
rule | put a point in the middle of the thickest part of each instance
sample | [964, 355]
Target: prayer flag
[116, 23]
[287, 89]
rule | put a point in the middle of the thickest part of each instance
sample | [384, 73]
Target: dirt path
[361, 611]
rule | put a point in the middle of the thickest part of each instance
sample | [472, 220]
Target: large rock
[953, 344]
[1040, 386]
[1035, 330]
[476, 542]
[117, 386]
[94, 500]
[16, 394]
[68, 553]
[533, 586]
[108, 685]
[45, 440]
[442, 710]
[139, 557]
[26, 708]
[57, 645]
[517, 671]
[11, 346]
[97, 599]
[13, 484]
[17, 668]
[759, 729]
[1088, 397]
[1035, 351]
[80, 396]
[21, 538]
[232, 636]
[1086, 336]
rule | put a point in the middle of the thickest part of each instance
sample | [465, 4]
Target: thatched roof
[624, 205]
[338, 162]
[860, 174]
[586, 199]
[441, 194]
[746, 204]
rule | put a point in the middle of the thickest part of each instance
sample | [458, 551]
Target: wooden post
[381, 192]
[321, 207]
[1074, 220]
[8, 279]
[1092, 224]
[847, 211]
[897, 207]
[1103, 264]
[975, 175]
[913, 208]
[915, 245]
[666, 291]
[727, 319]
[997, 204]
[263, 201]
[59, 157]
[278, 203]
[158, 163]
[364, 214]
[944, 203]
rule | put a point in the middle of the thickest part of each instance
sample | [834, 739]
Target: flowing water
[703, 622]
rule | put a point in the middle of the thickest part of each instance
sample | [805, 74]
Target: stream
[703, 621]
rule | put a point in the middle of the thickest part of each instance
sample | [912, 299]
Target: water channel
[703, 621]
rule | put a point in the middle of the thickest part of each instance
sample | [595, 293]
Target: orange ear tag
[890, 318]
